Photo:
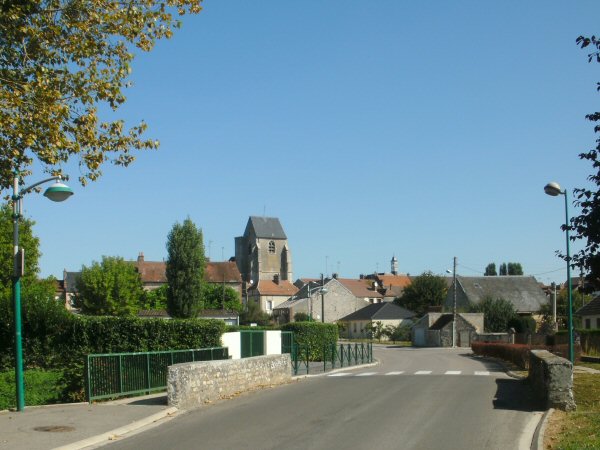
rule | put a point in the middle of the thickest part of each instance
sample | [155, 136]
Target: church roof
[267, 227]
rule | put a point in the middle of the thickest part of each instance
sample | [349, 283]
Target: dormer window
[271, 246]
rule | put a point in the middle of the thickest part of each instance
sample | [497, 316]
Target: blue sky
[424, 130]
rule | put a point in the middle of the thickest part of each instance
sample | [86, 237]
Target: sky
[425, 130]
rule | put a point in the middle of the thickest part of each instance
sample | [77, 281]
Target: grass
[579, 429]
[591, 365]
[42, 387]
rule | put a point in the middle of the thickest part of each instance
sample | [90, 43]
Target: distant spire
[394, 264]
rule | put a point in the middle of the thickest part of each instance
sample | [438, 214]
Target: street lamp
[554, 190]
[454, 303]
[322, 291]
[57, 192]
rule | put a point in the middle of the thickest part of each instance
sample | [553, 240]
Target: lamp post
[554, 190]
[454, 303]
[322, 291]
[57, 192]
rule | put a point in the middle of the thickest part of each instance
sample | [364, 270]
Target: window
[271, 246]
[355, 327]
[249, 249]
[588, 323]
[269, 305]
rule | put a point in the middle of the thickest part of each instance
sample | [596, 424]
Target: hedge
[313, 336]
[589, 338]
[66, 345]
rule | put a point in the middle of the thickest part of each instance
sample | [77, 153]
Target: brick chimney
[276, 278]
[140, 257]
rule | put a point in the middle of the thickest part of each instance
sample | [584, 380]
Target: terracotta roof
[217, 272]
[283, 288]
[151, 271]
[155, 272]
[360, 288]
[394, 280]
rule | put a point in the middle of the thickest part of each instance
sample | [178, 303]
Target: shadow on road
[158, 400]
[487, 363]
[515, 395]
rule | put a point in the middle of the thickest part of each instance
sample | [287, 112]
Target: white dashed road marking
[423, 372]
[366, 374]
[482, 372]
[339, 374]
[453, 372]
[395, 373]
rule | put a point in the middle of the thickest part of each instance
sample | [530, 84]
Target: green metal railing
[287, 341]
[253, 343]
[118, 374]
[331, 356]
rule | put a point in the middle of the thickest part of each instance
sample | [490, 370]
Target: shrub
[522, 324]
[313, 336]
[41, 388]
[516, 353]
[301, 317]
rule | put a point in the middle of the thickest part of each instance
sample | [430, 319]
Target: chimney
[141, 257]
[335, 276]
[276, 278]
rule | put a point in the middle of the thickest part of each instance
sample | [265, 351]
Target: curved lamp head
[58, 192]
[553, 189]
[323, 291]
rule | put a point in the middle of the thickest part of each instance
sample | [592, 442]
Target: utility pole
[454, 307]
[322, 299]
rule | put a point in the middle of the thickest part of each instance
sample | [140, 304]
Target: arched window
[271, 246]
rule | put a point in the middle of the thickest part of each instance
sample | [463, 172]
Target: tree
[490, 270]
[497, 312]
[112, 287]
[254, 314]
[503, 269]
[586, 226]
[185, 270]
[425, 290]
[63, 60]
[515, 269]
[27, 241]
[218, 296]
[376, 330]
[155, 299]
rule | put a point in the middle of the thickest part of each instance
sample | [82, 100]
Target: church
[264, 260]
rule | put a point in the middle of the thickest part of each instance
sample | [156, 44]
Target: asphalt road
[414, 399]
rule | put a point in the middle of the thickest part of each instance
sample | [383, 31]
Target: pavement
[80, 425]
[83, 425]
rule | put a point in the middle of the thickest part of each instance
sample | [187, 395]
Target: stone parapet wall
[551, 378]
[191, 385]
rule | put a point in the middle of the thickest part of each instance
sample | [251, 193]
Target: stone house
[358, 323]
[590, 314]
[337, 302]
[524, 292]
[268, 294]
[435, 329]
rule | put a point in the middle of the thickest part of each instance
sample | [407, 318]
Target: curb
[538, 437]
[118, 432]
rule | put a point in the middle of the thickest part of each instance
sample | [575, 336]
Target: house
[358, 323]
[590, 314]
[269, 294]
[390, 285]
[363, 289]
[153, 275]
[435, 329]
[336, 302]
[524, 292]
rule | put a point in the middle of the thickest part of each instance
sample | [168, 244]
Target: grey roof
[266, 227]
[591, 309]
[524, 292]
[380, 311]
